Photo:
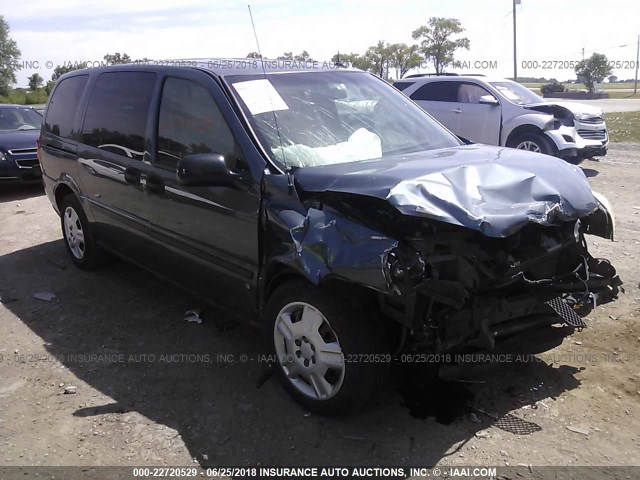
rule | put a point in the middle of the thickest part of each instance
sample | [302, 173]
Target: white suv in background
[503, 112]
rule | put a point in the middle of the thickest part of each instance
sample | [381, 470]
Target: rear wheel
[533, 142]
[325, 348]
[78, 236]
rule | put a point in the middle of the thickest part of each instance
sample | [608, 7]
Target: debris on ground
[580, 430]
[4, 299]
[45, 296]
[70, 390]
[193, 316]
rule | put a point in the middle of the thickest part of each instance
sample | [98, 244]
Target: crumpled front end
[477, 291]
[463, 258]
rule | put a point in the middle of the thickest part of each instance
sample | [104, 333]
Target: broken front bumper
[469, 301]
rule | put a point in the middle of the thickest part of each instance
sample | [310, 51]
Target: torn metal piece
[193, 316]
[45, 296]
[566, 312]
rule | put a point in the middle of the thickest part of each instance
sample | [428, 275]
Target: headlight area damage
[466, 258]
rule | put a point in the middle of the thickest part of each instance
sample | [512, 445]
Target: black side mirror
[205, 170]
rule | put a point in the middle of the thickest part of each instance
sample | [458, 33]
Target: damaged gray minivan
[326, 207]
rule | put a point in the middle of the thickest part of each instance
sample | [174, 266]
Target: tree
[593, 70]
[62, 69]
[117, 58]
[303, 57]
[254, 55]
[286, 56]
[403, 58]
[354, 60]
[437, 44]
[35, 82]
[379, 56]
[9, 56]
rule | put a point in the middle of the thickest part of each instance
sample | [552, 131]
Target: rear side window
[117, 112]
[402, 85]
[63, 106]
[437, 92]
[190, 122]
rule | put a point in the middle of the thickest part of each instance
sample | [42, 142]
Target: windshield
[306, 119]
[516, 92]
[16, 118]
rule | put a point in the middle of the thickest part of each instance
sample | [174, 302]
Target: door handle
[456, 110]
[154, 183]
[132, 176]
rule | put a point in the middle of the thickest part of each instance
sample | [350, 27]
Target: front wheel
[329, 356]
[78, 236]
[532, 142]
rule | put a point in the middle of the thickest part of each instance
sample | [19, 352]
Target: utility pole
[635, 85]
[515, 46]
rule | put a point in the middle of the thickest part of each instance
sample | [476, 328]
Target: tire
[78, 236]
[534, 143]
[305, 323]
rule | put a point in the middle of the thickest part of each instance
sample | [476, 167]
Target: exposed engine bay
[463, 259]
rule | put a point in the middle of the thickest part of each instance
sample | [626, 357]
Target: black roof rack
[415, 75]
[446, 74]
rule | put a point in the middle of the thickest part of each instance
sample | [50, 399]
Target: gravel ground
[144, 387]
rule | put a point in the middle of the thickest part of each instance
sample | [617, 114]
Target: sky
[550, 33]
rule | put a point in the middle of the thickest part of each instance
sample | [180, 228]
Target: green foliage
[254, 55]
[553, 87]
[436, 42]
[35, 82]
[403, 58]
[62, 69]
[301, 57]
[117, 58]
[593, 70]
[353, 60]
[378, 57]
[22, 97]
[9, 56]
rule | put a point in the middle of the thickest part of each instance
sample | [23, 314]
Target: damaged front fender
[320, 243]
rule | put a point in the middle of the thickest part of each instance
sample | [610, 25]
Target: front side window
[471, 93]
[116, 117]
[305, 119]
[62, 108]
[437, 92]
[190, 122]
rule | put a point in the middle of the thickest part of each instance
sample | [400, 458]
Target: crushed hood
[494, 190]
[573, 107]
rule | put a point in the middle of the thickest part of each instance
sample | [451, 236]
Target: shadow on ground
[15, 193]
[590, 172]
[216, 405]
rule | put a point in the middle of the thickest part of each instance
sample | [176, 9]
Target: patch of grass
[623, 126]
[25, 98]
[614, 94]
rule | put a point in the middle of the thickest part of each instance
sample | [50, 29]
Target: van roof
[227, 66]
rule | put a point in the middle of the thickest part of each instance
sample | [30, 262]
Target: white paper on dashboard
[260, 96]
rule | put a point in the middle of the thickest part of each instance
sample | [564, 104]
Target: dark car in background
[19, 131]
[327, 208]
